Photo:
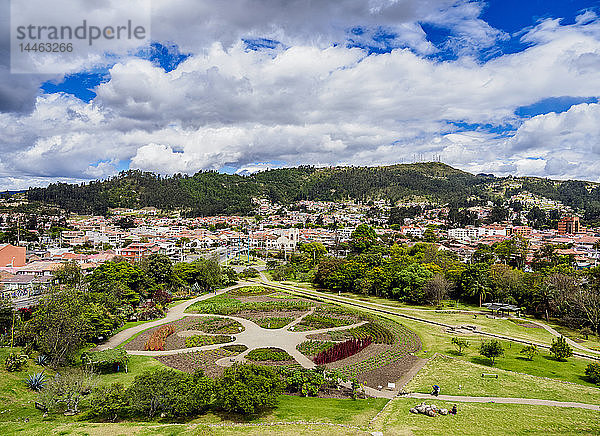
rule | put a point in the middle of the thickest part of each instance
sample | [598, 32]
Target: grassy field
[487, 419]
[457, 377]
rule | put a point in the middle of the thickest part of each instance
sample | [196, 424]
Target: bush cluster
[156, 341]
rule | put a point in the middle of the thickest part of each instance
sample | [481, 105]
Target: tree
[491, 349]
[460, 344]
[159, 269]
[109, 402]
[69, 274]
[170, 392]
[6, 315]
[60, 324]
[314, 250]
[593, 372]
[530, 351]
[66, 389]
[248, 389]
[362, 238]
[437, 289]
[560, 349]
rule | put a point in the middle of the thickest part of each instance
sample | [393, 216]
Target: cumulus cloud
[308, 101]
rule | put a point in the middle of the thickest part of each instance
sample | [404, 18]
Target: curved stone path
[254, 336]
[173, 314]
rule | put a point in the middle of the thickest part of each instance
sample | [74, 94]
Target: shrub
[593, 372]
[307, 382]
[248, 389]
[274, 322]
[491, 349]
[156, 341]
[530, 351]
[65, 390]
[460, 344]
[235, 348]
[342, 350]
[35, 381]
[15, 362]
[269, 353]
[106, 361]
[560, 349]
[170, 392]
[109, 402]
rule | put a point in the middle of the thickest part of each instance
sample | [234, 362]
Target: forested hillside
[211, 193]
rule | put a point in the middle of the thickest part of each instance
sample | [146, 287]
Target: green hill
[211, 193]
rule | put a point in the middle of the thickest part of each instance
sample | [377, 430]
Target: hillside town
[45, 243]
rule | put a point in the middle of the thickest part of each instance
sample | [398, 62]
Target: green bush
[306, 382]
[106, 361]
[15, 362]
[491, 349]
[560, 349]
[248, 389]
[109, 402]
[593, 372]
[170, 392]
[269, 353]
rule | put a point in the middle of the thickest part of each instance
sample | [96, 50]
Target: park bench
[483, 374]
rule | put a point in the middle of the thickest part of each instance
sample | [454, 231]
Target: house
[24, 290]
[12, 256]
[139, 250]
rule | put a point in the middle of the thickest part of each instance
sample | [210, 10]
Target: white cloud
[311, 102]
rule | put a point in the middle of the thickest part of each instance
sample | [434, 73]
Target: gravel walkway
[173, 314]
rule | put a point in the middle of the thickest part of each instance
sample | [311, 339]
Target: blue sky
[504, 87]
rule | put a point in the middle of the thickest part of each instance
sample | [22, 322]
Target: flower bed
[342, 350]
[156, 342]
[216, 325]
[227, 305]
[202, 340]
[268, 354]
[312, 347]
[274, 322]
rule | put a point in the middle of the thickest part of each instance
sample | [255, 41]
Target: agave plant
[35, 381]
[41, 360]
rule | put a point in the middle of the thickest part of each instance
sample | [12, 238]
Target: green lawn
[487, 419]
[457, 377]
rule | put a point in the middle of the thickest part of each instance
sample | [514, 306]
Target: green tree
[362, 238]
[60, 324]
[491, 349]
[460, 344]
[530, 351]
[593, 372]
[248, 389]
[560, 349]
[170, 392]
[69, 274]
[314, 250]
[109, 402]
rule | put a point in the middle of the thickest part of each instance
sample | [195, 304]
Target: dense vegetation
[212, 193]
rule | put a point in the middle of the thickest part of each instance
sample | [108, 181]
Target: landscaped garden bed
[269, 355]
[202, 340]
[204, 360]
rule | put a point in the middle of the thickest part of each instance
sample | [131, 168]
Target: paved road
[173, 314]
[503, 400]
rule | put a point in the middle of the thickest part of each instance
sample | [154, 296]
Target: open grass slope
[457, 377]
[484, 419]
